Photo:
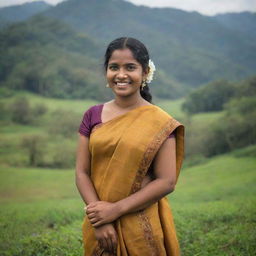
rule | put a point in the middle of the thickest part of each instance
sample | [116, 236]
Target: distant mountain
[189, 48]
[47, 57]
[244, 22]
[70, 39]
[21, 12]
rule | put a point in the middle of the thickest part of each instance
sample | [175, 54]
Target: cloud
[4, 3]
[208, 7]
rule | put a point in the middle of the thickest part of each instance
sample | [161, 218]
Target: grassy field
[213, 206]
[41, 210]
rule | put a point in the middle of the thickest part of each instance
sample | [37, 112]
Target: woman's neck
[129, 102]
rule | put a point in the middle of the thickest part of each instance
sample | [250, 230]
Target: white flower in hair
[152, 69]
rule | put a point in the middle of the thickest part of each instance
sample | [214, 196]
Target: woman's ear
[145, 73]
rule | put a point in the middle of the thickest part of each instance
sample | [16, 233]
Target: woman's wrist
[121, 207]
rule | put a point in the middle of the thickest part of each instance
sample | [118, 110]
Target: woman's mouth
[122, 84]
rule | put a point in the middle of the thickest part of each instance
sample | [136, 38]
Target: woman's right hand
[107, 237]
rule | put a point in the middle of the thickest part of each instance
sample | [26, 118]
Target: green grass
[206, 118]
[213, 206]
[41, 210]
[78, 106]
[173, 107]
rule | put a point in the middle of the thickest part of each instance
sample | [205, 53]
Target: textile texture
[122, 150]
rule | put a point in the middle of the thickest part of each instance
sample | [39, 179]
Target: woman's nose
[121, 73]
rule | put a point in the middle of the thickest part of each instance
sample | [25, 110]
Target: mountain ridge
[189, 49]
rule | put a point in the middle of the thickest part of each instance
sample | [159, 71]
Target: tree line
[234, 129]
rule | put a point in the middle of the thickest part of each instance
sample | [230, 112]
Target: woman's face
[124, 73]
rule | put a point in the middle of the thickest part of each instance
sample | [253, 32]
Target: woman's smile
[122, 84]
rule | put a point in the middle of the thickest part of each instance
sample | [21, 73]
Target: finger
[91, 210]
[105, 244]
[93, 220]
[114, 242]
[91, 205]
[100, 243]
[110, 246]
[91, 215]
[96, 224]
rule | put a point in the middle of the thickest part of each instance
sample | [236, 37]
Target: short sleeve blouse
[92, 117]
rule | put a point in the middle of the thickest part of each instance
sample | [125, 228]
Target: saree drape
[122, 150]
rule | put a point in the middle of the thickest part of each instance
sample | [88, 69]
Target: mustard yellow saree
[122, 150]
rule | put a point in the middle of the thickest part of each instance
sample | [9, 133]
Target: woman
[128, 159]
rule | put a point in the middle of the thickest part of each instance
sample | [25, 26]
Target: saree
[122, 150]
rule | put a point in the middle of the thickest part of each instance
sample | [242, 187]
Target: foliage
[247, 88]
[34, 145]
[47, 57]
[59, 52]
[64, 123]
[188, 47]
[210, 97]
[21, 111]
[232, 130]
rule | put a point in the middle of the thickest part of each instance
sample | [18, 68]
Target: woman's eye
[130, 68]
[113, 67]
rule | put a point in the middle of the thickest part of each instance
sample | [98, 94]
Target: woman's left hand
[102, 212]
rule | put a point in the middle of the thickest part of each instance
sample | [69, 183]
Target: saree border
[98, 251]
[143, 168]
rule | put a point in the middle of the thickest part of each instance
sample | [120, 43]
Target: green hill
[244, 22]
[188, 49]
[47, 57]
[21, 12]
[191, 48]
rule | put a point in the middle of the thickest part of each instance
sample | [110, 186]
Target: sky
[206, 7]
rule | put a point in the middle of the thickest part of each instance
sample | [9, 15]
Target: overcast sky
[207, 7]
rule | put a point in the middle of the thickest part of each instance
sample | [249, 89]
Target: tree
[34, 146]
[21, 111]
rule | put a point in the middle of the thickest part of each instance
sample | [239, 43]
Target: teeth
[122, 84]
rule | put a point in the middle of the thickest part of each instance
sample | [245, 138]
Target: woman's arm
[165, 173]
[83, 181]
[105, 234]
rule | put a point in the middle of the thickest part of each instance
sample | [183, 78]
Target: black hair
[140, 53]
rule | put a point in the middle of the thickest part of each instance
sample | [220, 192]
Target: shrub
[64, 123]
[34, 145]
[210, 97]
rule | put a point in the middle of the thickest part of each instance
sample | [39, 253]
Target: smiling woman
[129, 158]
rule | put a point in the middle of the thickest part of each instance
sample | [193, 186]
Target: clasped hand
[102, 212]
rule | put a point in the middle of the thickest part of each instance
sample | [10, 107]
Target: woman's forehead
[123, 55]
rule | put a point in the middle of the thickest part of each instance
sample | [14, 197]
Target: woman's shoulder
[95, 107]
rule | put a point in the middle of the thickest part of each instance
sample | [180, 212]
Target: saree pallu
[122, 150]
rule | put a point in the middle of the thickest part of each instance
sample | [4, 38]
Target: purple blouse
[92, 117]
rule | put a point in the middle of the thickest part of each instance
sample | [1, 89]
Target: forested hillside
[191, 48]
[244, 22]
[21, 12]
[188, 49]
[48, 57]
[234, 128]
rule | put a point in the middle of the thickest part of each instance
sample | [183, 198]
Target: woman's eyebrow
[132, 63]
[125, 64]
